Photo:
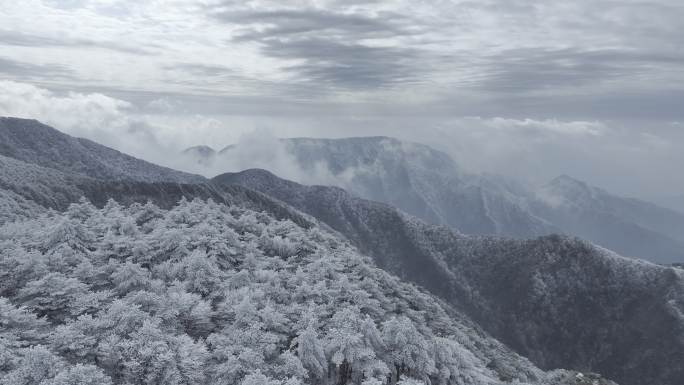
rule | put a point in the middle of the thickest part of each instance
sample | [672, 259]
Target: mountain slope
[375, 228]
[556, 300]
[45, 168]
[430, 256]
[32, 189]
[14, 207]
[673, 202]
[33, 142]
[429, 185]
[418, 179]
[629, 226]
[207, 293]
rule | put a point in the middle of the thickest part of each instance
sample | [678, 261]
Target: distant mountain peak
[566, 191]
[374, 138]
[567, 180]
[570, 188]
[200, 148]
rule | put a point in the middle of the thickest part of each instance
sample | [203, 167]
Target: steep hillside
[556, 300]
[207, 293]
[375, 228]
[629, 226]
[605, 326]
[38, 188]
[33, 142]
[14, 207]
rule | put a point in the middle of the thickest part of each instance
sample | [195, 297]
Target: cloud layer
[508, 54]
[528, 87]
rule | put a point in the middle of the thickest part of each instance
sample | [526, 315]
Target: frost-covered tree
[55, 296]
[408, 350]
[34, 366]
[205, 293]
[311, 353]
[80, 374]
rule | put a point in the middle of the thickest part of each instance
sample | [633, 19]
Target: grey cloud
[283, 23]
[616, 62]
[332, 46]
[25, 40]
[655, 22]
[198, 69]
[22, 70]
[624, 105]
[337, 64]
[534, 69]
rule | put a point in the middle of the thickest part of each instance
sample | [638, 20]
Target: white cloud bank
[110, 121]
[641, 161]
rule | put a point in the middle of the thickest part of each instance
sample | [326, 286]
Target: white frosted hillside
[556, 299]
[206, 293]
[33, 142]
[14, 207]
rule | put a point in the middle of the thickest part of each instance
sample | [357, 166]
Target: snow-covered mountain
[428, 184]
[27, 190]
[630, 226]
[240, 289]
[208, 293]
[36, 143]
[420, 180]
[559, 301]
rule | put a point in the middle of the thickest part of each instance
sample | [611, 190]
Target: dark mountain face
[35, 143]
[557, 300]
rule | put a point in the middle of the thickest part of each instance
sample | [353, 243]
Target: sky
[529, 89]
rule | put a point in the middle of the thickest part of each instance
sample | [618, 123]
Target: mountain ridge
[517, 290]
[597, 301]
[110, 233]
[19, 139]
[428, 184]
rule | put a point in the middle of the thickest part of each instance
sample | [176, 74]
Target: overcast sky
[531, 89]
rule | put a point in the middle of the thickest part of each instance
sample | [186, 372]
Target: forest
[207, 293]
